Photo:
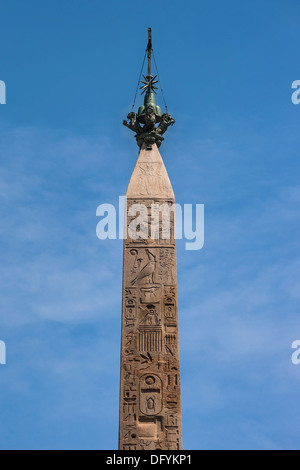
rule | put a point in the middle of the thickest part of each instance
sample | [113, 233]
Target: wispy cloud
[53, 266]
[60, 296]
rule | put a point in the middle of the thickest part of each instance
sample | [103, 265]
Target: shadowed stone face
[150, 412]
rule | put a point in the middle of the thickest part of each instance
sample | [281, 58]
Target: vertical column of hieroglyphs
[150, 415]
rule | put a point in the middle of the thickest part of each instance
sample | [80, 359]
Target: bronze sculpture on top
[149, 114]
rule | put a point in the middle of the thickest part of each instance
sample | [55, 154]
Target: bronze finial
[149, 48]
[149, 114]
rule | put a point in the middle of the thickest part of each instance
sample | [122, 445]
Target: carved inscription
[150, 412]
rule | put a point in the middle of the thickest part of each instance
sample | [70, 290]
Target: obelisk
[150, 409]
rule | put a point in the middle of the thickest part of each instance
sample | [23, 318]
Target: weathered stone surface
[150, 410]
[150, 177]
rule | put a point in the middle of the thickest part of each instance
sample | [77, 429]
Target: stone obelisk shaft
[150, 413]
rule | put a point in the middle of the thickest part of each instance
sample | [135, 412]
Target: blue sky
[71, 68]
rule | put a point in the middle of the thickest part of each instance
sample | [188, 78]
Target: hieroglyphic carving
[130, 394]
[130, 343]
[166, 265]
[170, 291]
[129, 374]
[150, 394]
[150, 294]
[170, 311]
[129, 432]
[172, 401]
[150, 339]
[150, 315]
[171, 420]
[150, 415]
[151, 176]
[171, 343]
[172, 438]
[129, 413]
[132, 446]
[150, 222]
[146, 444]
[143, 270]
[130, 307]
